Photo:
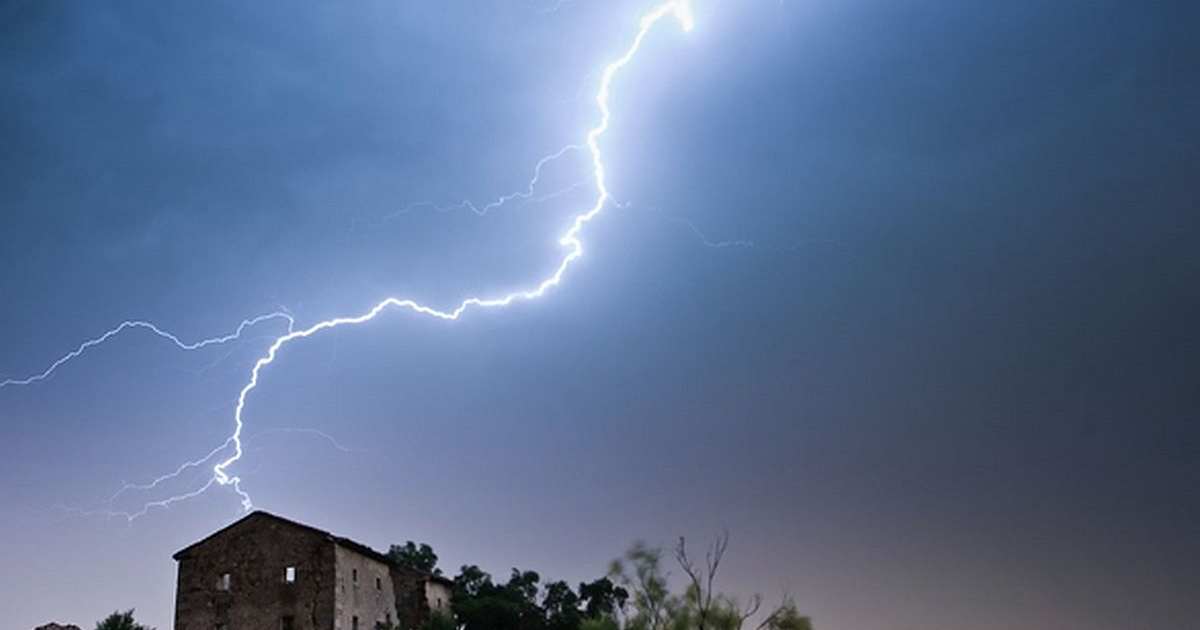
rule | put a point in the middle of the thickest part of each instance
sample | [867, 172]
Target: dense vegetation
[635, 595]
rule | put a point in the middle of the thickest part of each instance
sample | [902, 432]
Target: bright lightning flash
[680, 10]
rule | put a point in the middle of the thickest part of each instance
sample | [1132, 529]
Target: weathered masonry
[265, 572]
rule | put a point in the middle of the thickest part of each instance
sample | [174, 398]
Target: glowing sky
[901, 295]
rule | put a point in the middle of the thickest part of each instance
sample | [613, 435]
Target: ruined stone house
[265, 572]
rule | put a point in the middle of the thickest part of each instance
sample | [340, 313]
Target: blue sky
[951, 384]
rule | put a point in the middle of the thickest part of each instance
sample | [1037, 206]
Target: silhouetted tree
[602, 598]
[522, 589]
[480, 604]
[121, 621]
[420, 557]
[561, 606]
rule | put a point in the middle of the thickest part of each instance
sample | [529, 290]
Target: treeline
[636, 594]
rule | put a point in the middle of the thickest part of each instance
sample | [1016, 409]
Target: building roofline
[433, 577]
[338, 540]
[426, 575]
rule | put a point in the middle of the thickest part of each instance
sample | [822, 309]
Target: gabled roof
[259, 514]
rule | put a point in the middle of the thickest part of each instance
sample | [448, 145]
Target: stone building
[265, 572]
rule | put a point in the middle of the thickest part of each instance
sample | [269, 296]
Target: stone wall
[255, 553]
[437, 597]
[410, 603]
[365, 591]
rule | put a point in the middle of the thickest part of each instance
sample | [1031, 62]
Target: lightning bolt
[680, 10]
[140, 324]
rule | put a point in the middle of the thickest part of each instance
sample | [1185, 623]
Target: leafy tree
[602, 598]
[641, 572]
[561, 606]
[121, 621]
[420, 557]
[522, 590]
[523, 586]
[480, 604]
[471, 581]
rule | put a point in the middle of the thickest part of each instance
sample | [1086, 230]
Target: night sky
[903, 294]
